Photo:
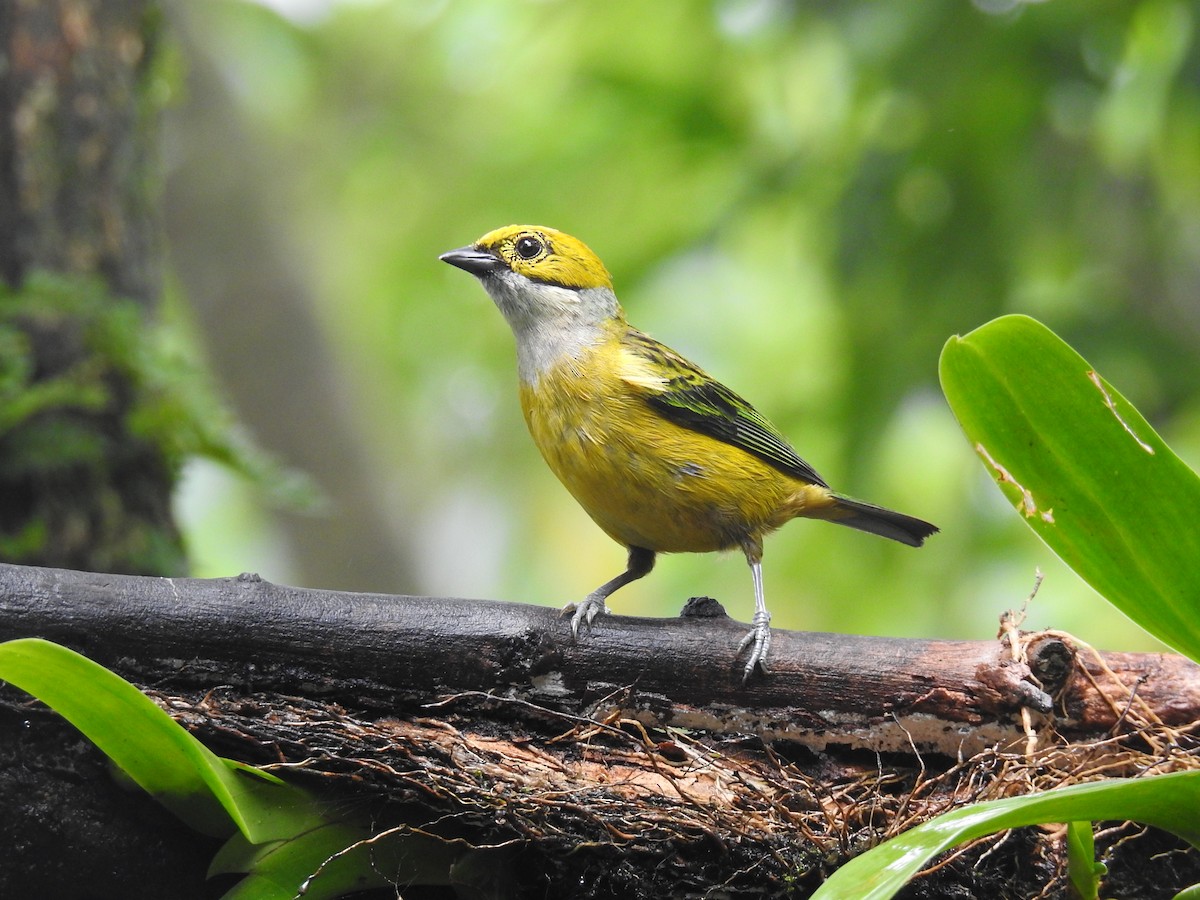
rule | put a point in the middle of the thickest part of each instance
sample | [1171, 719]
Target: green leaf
[1084, 870]
[284, 835]
[335, 859]
[1092, 478]
[210, 794]
[1164, 801]
[279, 869]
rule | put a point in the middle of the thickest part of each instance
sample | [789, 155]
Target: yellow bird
[663, 457]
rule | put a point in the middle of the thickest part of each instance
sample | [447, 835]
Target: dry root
[605, 801]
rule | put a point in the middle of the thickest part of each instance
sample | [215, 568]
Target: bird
[662, 456]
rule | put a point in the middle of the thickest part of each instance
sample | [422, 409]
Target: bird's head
[535, 254]
[539, 276]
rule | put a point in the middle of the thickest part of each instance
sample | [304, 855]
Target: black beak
[471, 259]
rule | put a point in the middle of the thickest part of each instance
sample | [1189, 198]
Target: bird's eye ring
[528, 247]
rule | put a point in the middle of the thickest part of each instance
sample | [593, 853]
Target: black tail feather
[878, 520]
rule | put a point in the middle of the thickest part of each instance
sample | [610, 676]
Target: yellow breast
[647, 481]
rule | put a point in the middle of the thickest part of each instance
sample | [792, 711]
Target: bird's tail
[877, 520]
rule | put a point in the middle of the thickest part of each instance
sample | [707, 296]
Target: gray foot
[584, 612]
[759, 642]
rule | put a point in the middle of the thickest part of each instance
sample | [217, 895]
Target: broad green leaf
[1091, 477]
[1165, 801]
[210, 794]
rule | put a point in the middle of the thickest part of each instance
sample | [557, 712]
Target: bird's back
[646, 479]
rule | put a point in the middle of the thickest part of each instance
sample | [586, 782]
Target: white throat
[551, 324]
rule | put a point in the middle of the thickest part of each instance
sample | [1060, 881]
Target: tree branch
[632, 761]
[377, 651]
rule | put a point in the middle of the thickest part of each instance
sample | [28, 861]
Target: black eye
[528, 247]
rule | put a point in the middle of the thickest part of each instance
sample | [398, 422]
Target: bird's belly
[650, 483]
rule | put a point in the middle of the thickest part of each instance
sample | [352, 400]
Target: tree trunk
[81, 484]
[84, 483]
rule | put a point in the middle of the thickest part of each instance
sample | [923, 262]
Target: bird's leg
[641, 561]
[759, 638]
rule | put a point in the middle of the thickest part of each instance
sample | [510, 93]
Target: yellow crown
[547, 255]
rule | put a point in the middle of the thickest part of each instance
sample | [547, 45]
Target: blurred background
[807, 199]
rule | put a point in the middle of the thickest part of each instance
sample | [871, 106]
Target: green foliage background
[807, 199]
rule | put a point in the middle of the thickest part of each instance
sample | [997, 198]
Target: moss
[99, 410]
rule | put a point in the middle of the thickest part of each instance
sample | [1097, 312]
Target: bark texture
[375, 651]
[83, 485]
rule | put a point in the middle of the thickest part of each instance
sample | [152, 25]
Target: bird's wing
[685, 395]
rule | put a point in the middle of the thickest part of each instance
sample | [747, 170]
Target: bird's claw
[584, 613]
[758, 639]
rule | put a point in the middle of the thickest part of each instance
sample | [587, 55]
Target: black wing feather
[696, 401]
